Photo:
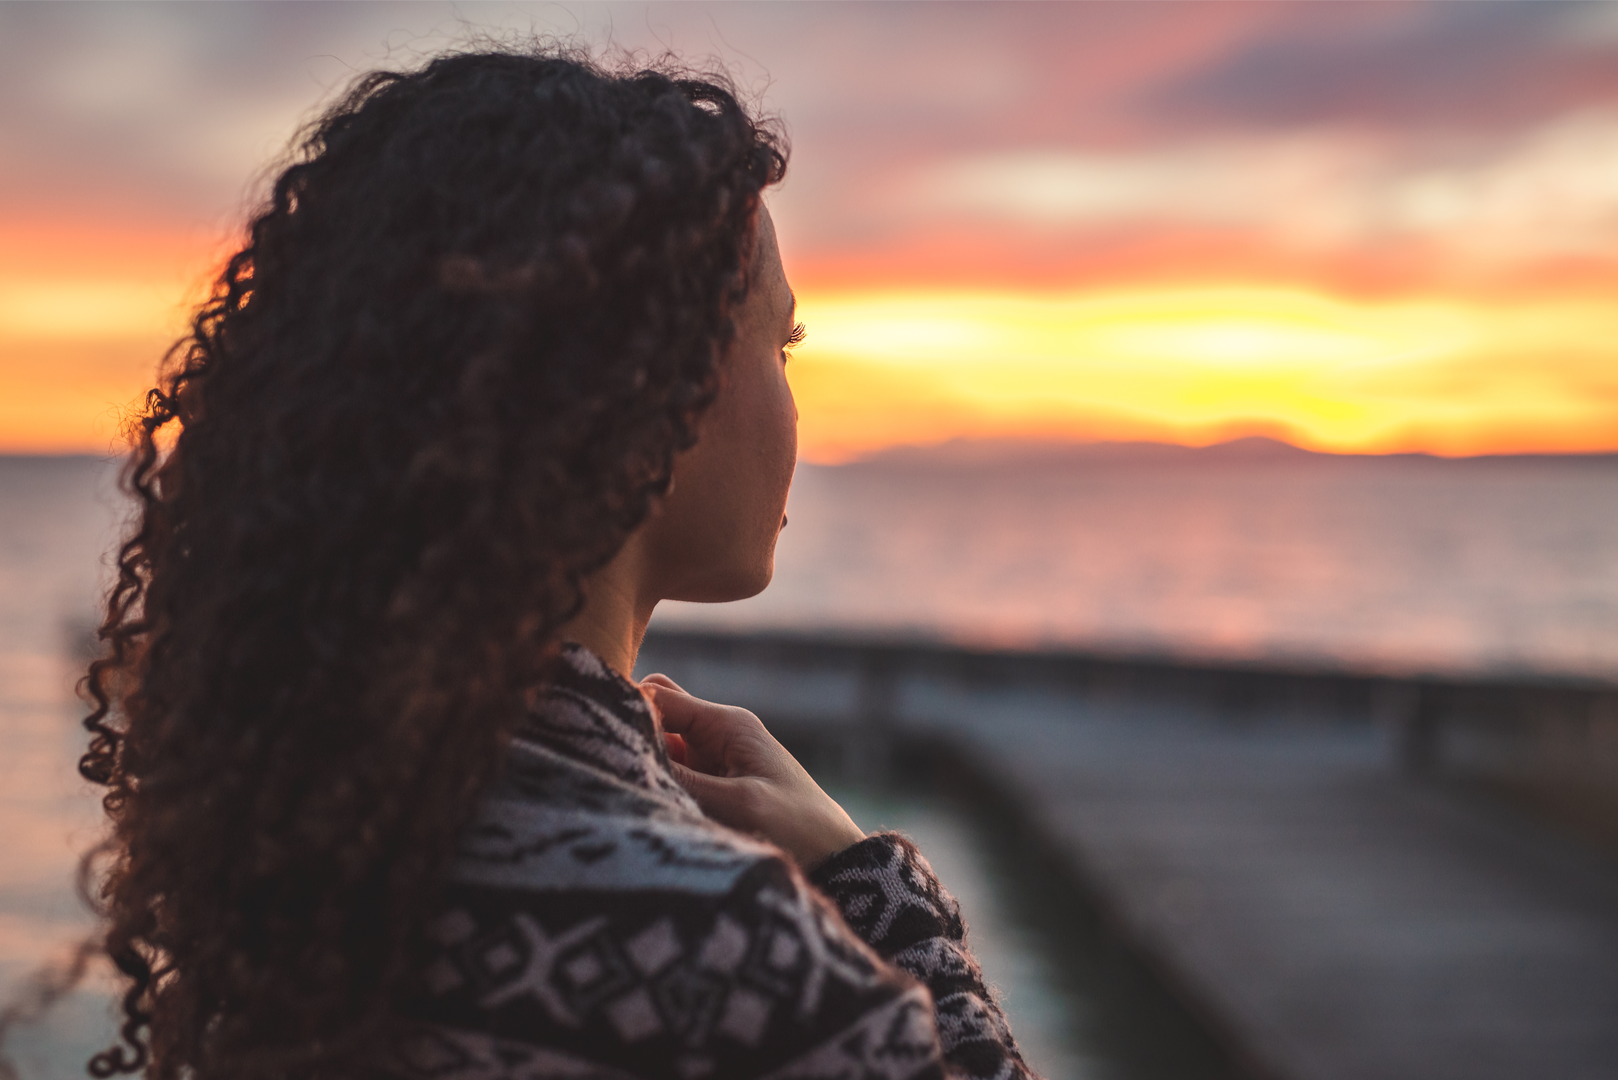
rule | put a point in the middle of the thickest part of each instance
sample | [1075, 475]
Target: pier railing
[1551, 740]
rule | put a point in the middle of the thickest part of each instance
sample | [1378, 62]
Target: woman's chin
[731, 584]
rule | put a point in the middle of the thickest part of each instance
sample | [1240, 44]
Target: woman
[499, 367]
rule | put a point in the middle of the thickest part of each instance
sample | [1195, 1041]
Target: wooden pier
[1308, 857]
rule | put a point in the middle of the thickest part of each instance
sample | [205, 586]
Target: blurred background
[1207, 513]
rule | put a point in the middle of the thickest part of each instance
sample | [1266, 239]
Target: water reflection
[1394, 564]
[56, 518]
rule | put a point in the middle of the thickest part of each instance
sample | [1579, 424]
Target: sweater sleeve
[890, 897]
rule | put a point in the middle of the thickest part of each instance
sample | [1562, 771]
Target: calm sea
[1404, 564]
[1387, 564]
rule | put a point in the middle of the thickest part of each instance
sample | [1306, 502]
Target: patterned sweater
[599, 925]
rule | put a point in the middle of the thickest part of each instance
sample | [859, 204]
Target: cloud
[1475, 68]
[1552, 190]
[1227, 134]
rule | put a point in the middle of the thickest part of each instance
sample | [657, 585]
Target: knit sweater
[599, 925]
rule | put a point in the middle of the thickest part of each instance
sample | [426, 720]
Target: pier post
[870, 746]
[1413, 716]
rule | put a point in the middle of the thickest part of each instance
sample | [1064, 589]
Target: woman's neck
[617, 608]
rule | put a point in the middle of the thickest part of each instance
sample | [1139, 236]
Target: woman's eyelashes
[794, 339]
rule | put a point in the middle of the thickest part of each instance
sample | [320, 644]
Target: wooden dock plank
[1344, 923]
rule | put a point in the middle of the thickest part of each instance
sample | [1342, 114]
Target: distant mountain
[992, 454]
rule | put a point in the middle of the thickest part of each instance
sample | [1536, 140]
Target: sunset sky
[1359, 227]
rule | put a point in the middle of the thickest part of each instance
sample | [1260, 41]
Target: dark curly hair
[444, 379]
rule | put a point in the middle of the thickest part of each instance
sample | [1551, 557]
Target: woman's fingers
[678, 709]
[674, 742]
[699, 721]
[742, 777]
[714, 794]
[707, 732]
[749, 805]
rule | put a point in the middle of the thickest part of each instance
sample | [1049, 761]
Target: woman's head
[712, 538]
[448, 376]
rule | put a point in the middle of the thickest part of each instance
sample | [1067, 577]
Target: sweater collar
[591, 714]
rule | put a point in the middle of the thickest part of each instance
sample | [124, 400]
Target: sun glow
[1215, 329]
[86, 314]
[82, 329]
[1196, 365]
[89, 310]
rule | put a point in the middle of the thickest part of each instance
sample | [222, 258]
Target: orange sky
[85, 316]
[1058, 221]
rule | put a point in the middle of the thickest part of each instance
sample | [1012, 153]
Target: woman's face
[713, 538]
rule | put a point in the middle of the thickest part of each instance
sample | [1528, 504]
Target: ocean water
[56, 518]
[1397, 565]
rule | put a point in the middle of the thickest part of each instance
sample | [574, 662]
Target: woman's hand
[743, 778]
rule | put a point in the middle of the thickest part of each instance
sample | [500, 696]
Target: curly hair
[445, 378]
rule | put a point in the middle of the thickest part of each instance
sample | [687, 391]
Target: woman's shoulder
[582, 806]
[597, 923]
[640, 939]
[588, 833]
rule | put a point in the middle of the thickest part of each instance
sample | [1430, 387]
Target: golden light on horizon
[89, 310]
[76, 355]
[86, 315]
[1452, 375]
[1190, 365]
[1196, 365]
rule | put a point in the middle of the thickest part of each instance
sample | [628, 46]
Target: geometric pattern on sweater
[541, 847]
[450, 1054]
[891, 898]
[597, 924]
[760, 980]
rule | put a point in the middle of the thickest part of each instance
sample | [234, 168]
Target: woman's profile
[499, 366]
